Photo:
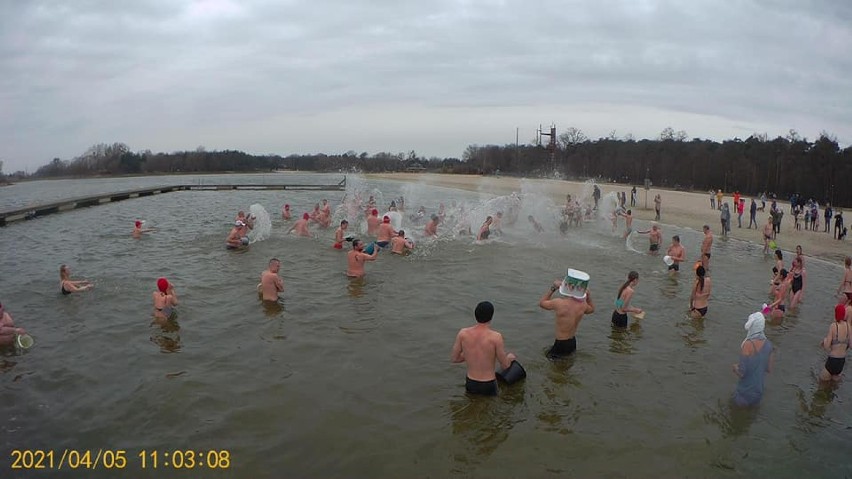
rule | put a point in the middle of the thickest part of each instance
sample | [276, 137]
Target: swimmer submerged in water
[481, 347]
[68, 286]
[138, 231]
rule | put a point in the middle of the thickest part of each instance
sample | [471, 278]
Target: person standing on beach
[767, 234]
[569, 312]
[655, 238]
[740, 205]
[756, 359]
[596, 195]
[677, 253]
[752, 210]
[633, 196]
[481, 347]
[357, 258]
[8, 331]
[719, 199]
[828, 214]
[706, 246]
[658, 201]
[725, 216]
[270, 282]
[712, 200]
[838, 224]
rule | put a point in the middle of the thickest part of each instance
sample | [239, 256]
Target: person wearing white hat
[756, 358]
[570, 309]
[236, 237]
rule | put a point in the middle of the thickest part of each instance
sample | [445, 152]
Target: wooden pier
[30, 212]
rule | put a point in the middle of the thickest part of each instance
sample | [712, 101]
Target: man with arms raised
[270, 283]
[480, 347]
[705, 247]
[569, 312]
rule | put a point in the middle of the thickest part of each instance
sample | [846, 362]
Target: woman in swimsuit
[779, 265]
[846, 282]
[622, 301]
[165, 299]
[68, 286]
[780, 288]
[797, 284]
[837, 342]
[700, 297]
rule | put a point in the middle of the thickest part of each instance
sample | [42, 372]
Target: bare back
[480, 348]
[569, 313]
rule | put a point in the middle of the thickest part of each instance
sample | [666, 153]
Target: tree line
[817, 169]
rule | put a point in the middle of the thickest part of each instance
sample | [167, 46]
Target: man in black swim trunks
[480, 347]
[569, 312]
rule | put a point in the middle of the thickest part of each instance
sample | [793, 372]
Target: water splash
[262, 224]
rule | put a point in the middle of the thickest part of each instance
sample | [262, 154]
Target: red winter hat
[386, 219]
[138, 224]
[163, 284]
[306, 216]
[840, 312]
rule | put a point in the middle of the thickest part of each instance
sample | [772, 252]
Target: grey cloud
[78, 73]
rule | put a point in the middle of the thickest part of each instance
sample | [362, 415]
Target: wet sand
[681, 208]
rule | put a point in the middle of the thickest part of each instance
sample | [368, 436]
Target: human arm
[279, 283]
[627, 308]
[457, 356]
[172, 295]
[504, 358]
[590, 306]
[826, 341]
[545, 302]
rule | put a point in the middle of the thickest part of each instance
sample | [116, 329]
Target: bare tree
[571, 137]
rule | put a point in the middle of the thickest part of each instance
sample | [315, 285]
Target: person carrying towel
[756, 358]
[480, 347]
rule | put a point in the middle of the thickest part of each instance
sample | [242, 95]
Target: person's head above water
[676, 238]
[706, 228]
[343, 223]
[306, 216]
[374, 212]
[163, 285]
[755, 324]
[779, 254]
[484, 312]
[839, 312]
[401, 234]
[274, 265]
[138, 224]
[357, 244]
[386, 219]
[286, 207]
[435, 218]
[700, 271]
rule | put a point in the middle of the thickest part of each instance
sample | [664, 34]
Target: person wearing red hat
[386, 232]
[285, 213]
[301, 226]
[138, 230]
[373, 223]
[837, 342]
[165, 299]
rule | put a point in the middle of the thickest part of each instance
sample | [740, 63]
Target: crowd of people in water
[481, 347]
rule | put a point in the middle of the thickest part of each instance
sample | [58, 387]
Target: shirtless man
[569, 312]
[655, 238]
[386, 232]
[373, 222]
[247, 220]
[480, 347]
[138, 230]
[338, 235]
[400, 244]
[705, 247]
[676, 252]
[781, 288]
[8, 331]
[285, 213]
[270, 283]
[235, 238]
[357, 257]
[301, 226]
[484, 230]
[432, 226]
[768, 229]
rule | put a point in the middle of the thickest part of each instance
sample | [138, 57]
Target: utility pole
[517, 145]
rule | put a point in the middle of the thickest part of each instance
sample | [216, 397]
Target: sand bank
[679, 208]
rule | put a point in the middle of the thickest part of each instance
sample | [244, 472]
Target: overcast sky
[294, 76]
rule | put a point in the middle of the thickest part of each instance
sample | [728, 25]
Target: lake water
[353, 379]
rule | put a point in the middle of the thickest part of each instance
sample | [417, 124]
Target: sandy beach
[679, 208]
